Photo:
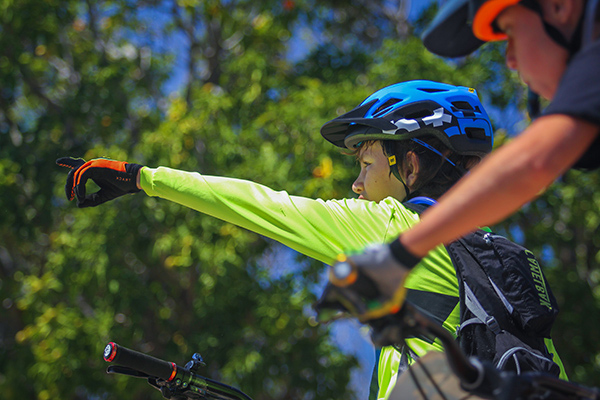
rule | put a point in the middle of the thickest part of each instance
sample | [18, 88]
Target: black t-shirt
[578, 95]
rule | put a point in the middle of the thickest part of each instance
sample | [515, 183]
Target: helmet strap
[533, 104]
[396, 172]
[389, 151]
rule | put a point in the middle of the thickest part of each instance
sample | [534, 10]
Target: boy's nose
[358, 187]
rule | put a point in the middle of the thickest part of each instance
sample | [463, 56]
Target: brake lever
[118, 369]
[167, 391]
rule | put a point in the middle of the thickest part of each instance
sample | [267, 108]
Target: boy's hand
[115, 179]
[369, 285]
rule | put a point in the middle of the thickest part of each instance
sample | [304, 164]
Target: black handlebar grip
[139, 361]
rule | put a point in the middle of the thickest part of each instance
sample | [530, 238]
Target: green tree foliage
[90, 78]
[150, 275]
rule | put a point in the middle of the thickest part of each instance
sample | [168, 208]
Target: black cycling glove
[369, 285]
[115, 179]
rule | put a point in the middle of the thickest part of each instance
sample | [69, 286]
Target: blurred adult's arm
[504, 181]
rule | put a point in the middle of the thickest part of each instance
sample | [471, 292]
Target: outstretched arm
[504, 181]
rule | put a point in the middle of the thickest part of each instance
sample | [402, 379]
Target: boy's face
[539, 60]
[375, 182]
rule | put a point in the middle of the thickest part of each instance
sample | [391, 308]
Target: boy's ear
[411, 168]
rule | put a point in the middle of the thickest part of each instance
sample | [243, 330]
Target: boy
[412, 139]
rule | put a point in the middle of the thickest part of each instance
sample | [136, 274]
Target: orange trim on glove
[100, 163]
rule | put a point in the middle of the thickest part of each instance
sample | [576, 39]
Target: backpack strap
[481, 316]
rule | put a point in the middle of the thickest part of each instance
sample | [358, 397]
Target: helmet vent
[475, 133]
[384, 108]
[462, 105]
[432, 90]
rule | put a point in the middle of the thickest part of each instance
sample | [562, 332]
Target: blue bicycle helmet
[413, 109]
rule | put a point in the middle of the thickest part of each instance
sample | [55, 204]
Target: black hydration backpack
[506, 305]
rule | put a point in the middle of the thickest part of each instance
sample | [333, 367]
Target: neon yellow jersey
[320, 229]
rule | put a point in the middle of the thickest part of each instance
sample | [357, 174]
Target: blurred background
[237, 88]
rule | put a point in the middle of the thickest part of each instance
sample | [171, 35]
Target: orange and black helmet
[462, 26]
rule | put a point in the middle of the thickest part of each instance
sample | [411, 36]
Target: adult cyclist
[411, 142]
[554, 46]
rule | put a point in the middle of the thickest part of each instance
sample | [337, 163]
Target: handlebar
[174, 381]
[139, 361]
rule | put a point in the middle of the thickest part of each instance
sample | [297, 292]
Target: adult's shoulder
[578, 95]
